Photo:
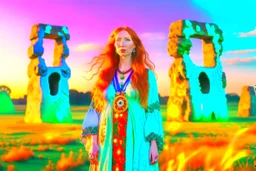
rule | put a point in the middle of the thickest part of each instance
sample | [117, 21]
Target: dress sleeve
[91, 122]
[154, 125]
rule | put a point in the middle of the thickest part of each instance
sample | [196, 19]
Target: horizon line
[90, 92]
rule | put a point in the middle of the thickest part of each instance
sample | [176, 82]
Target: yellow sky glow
[18, 82]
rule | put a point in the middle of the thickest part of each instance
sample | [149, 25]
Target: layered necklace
[122, 73]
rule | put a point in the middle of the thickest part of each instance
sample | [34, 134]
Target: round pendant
[120, 103]
[121, 76]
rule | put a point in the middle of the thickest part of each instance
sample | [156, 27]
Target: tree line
[80, 98]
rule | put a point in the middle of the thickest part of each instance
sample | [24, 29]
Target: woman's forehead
[123, 34]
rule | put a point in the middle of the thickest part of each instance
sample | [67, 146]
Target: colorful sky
[90, 23]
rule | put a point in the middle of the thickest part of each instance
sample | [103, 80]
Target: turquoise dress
[142, 127]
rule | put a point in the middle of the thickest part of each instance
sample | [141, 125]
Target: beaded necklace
[122, 73]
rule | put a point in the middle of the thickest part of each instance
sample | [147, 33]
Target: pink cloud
[248, 34]
[241, 51]
[153, 36]
[232, 61]
[86, 47]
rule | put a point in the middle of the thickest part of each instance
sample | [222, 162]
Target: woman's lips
[122, 50]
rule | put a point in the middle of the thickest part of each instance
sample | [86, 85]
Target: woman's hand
[153, 154]
[94, 150]
[83, 140]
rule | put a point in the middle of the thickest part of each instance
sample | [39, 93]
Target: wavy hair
[108, 62]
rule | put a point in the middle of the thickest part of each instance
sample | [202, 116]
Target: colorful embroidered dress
[140, 127]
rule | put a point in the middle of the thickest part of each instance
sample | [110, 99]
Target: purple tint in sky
[90, 23]
[95, 19]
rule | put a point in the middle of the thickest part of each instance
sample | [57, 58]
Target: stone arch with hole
[202, 89]
[48, 90]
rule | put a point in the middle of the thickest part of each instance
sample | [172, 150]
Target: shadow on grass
[13, 113]
[19, 133]
[41, 159]
[230, 119]
[1, 168]
[74, 121]
[175, 138]
[81, 168]
[78, 121]
[240, 119]
[32, 164]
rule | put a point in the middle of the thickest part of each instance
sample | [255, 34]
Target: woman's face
[124, 44]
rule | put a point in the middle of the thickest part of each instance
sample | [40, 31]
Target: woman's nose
[122, 43]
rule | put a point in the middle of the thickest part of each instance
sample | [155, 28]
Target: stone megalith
[197, 93]
[247, 102]
[48, 89]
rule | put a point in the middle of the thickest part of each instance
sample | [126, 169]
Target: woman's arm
[153, 125]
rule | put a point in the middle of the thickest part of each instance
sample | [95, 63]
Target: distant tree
[80, 98]
[5, 88]
[232, 97]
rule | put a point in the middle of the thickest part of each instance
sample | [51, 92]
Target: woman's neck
[125, 63]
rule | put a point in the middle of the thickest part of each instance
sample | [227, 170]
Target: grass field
[211, 146]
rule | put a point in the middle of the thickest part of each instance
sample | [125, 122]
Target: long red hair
[108, 62]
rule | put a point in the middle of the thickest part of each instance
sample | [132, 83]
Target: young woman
[124, 123]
